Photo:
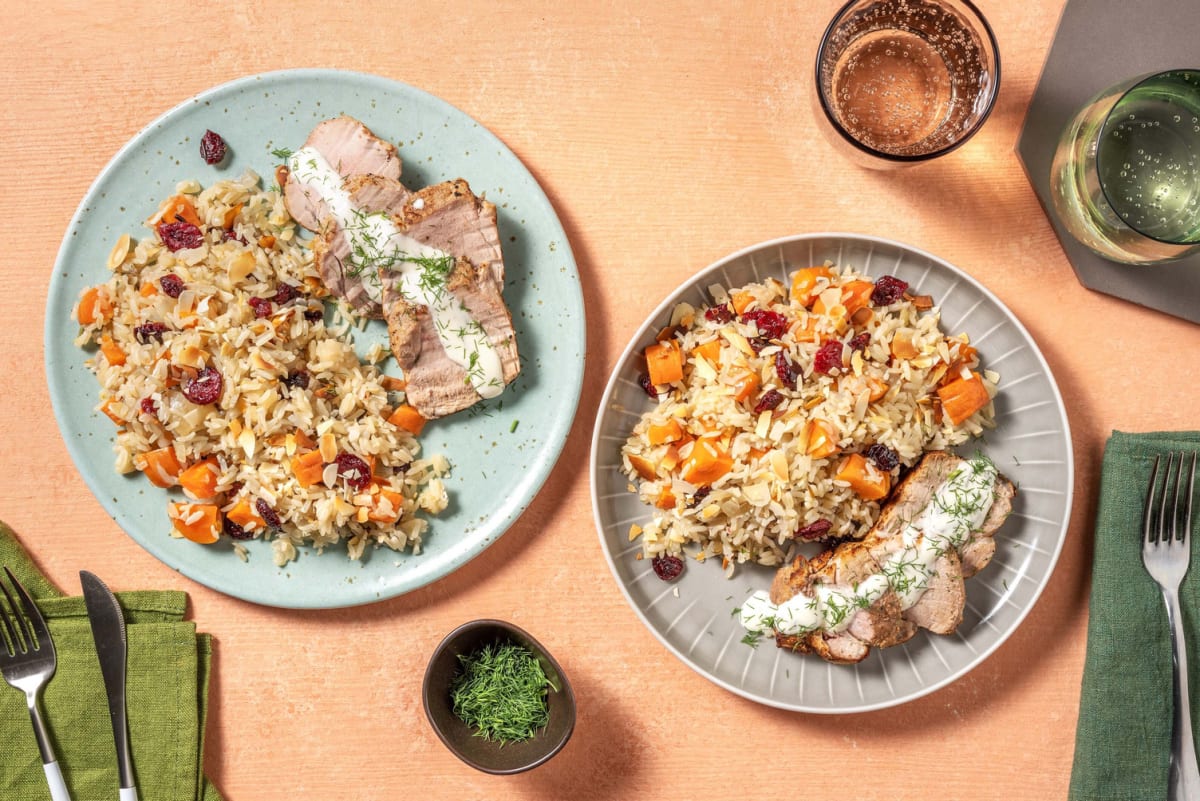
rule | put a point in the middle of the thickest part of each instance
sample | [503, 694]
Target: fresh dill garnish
[512, 429]
[500, 690]
[752, 639]
[282, 153]
[737, 610]
[836, 610]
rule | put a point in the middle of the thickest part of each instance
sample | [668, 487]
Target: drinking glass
[904, 81]
[1126, 174]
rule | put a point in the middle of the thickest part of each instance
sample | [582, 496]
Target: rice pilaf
[786, 413]
[297, 446]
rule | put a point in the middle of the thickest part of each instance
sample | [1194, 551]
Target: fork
[1166, 552]
[27, 661]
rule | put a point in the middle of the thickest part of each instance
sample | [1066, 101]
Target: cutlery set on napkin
[1125, 731]
[135, 659]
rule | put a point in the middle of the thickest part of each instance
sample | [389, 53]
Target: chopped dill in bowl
[500, 690]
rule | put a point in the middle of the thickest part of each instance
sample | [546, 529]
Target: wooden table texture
[667, 135]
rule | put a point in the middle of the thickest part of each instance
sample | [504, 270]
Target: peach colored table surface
[666, 136]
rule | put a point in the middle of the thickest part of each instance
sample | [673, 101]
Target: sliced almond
[116, 256]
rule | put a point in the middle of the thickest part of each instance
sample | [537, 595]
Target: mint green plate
[501, 452]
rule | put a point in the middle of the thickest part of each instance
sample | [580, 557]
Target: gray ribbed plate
[1031, 445]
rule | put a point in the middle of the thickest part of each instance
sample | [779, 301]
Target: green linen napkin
[1123, 737]
[167, 688]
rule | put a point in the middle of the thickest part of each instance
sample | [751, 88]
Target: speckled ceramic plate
[693, 616]
[501, 451]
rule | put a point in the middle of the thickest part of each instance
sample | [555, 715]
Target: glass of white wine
[1126, 174]
[904, 81]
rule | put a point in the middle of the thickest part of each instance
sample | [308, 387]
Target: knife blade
[108, 631]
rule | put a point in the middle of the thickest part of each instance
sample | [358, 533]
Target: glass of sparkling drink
[1126, 174]
[904, 81]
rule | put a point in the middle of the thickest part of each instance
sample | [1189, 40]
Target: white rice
[775, 488]
[253, 430]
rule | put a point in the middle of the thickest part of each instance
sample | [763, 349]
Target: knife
[108, 630]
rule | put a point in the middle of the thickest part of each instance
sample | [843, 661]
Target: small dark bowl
[488, 755]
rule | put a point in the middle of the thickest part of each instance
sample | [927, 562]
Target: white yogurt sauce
[958, 508]
[420, 271]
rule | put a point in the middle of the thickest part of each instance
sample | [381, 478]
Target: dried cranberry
[212, 147]
[235, 531]
[356, 472]
[699, 495]
[205, 387]
[829, 356]
[769, 400]
[644, 383]
[786, 370]
[314, 315]
[230, 234]
[180, 235]
[148, 331]
[171, 284]
[262, 307]
[667, 568]
[771, 325]
[758, 343]
[888, 290]
[297, 379]
[815, 530]
[148, 406]
[268, 514]
[284, 293]
[860, 342]
[884, 457]
[719, 314]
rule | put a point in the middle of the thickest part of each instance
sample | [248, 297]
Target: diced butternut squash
[644, 467]
[408, 418]
[246, 516]
[304, 440]
[387, 506]
[869, 483]
[198, 522]
[669, 431]
[180, 207]
[963, 397]
[110, 411]
[148, 289]
[199, 482]
[856, 295]
[745, 385]
[308, 467]
[664, 362]
[804, 284]
[820, 437]
[266, 241]
[161, 466]
[710, 351]
[705, 464]
[665, 499]
[94, 306]
[741, 301]
[113, 353]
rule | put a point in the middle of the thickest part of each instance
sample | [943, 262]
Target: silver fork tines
[27, 661]
[1166, 552]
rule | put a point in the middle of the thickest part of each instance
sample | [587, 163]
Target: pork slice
[350, 148]
[332, 257]
[912, 495]
[436, 385]
[842, 648]
[881, 623]
[981, 547]
[940, 607]
[450, 217]
[790, 580]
